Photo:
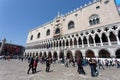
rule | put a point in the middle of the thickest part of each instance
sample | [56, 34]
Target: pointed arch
[67, 43]
[56, 43]
[91, 39]
[112, 37]
[97, 39]
[75, 41]
[60, 43]
[71, 42]
[104, 54]
[104, 38]
[84, 40]
[79, 41]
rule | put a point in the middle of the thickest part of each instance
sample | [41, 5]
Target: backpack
[35, 63]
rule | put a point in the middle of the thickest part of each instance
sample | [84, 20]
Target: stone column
[88, 42]
[94, 41]
[109, 42]
[73, 43]
[101, 40]
[82, 42]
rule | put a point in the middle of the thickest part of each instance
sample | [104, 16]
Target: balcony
[56, 35]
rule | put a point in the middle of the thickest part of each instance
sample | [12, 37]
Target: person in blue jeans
[93, 65]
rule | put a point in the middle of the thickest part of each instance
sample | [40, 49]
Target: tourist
[80, 67]
[100, 64]
[67, 62]
[31, 65]
[35, 64]
[47, 65]
[93, 65]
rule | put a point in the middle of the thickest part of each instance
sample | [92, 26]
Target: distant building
[93, 30]
[9, 49]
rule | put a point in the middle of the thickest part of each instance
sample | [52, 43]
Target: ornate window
[70, 25]
[94, 19]
[57, 31]
[38, 35]
[48, 32]
[31, 38]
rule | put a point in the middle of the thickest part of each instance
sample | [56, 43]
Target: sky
[18, 17]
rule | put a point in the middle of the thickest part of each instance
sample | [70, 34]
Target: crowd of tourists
[94, 63]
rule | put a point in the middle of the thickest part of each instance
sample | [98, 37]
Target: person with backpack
[35, 64]
[31, 65]
[80, 67]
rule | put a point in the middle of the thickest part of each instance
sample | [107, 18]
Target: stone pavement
[17, 70]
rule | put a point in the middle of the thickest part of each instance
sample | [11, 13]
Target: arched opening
[97, 39]
[56, 43]
[30, 54]
[104, 54]
[71, 42]
[48, 32]
[69, 55]
[85, 41]
[37, 54]
[119, 34]
[75, 41]
[79, 41]
[90, 54]
[44, 55]
[70, 25]
[55, 55]
[91, 40]
[61, 54]
[112, 37]
[40, 54]
[94, 19]
[78, 54]
[60, 43]
[31, 38]
[66, 42]
[33, 54]
[104, 38]
[38, 35]
[49, 55]
[117, 53]
[57, 31]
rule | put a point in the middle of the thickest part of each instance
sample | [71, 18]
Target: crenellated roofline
[66, 14]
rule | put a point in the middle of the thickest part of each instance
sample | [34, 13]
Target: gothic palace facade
[93, 30]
